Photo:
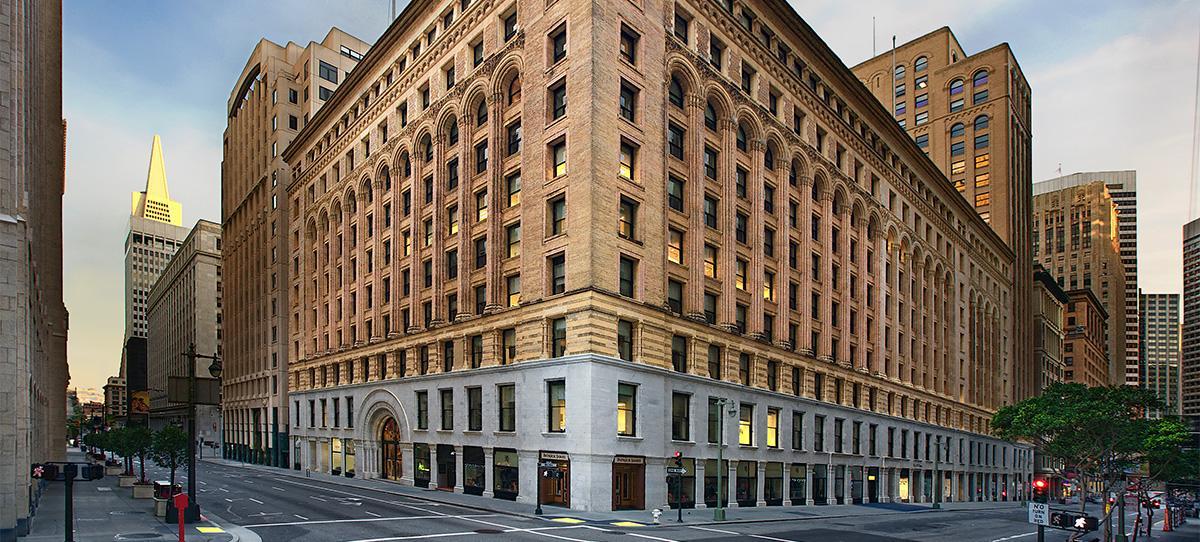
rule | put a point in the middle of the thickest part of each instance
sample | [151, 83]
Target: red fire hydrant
[181, 503]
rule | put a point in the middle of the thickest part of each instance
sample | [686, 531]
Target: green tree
[1100, 433]
[140, 438]
[170, 449]
[117, 441]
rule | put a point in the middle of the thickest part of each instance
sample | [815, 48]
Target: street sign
[676, 471]
[1039, 513]
[548, 465]
[208, 390]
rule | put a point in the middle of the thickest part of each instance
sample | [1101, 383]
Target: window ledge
[472, 432]
[445, 431]
[685, 442]
[549, 434]
[629, 438]
[504, 433]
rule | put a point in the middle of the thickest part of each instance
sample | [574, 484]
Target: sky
[1113, 88]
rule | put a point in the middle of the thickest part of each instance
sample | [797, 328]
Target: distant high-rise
[1122, 188]
[970, 114]
[1075, 238]
[1048, 302]
[1085, 360]
[1190, 362]
[155, 232]
[278, 91]
[1159, 321]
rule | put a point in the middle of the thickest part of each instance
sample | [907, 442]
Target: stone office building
[525, 236]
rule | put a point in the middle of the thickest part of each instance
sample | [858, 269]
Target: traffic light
[678, 459]
[1040, 491]
[1071, 521]
[45, 471]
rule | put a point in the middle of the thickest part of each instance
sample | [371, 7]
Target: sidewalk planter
[350, 473]
[111, 470]
[160, 508]
[143, 491]
[126, 480]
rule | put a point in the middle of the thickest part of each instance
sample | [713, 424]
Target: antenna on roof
[1060, 169]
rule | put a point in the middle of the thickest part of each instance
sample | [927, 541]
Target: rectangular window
[681, 27]
[626, 410]
[746, 425]
[513, 183]
[327, 72]
[629, 44]
[675, 246]
[625, 340]
[819, 433]
[513, 237]
[556, 216]
[628, 101]
[514, 138]
[710, 211]
[628, 160]
[627, 221]
[558, 100]
[797, 430]
[675, 138]
[556, 402]
[507, 396]
[513, 285]
[628, 276]
[558, 274]
[447, 400]
[558, 44]
[681, 423]
[710, 163]
[558, 152]
[772, 427]
[679, 353]
[422, 410]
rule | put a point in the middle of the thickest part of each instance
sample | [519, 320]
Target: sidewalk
[640, 517]
[105, 512]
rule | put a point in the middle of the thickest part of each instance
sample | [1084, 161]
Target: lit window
[559, 152]
[514, 188]
[626, 409]
[710, 261]
[958, 167]
[983, 160]
[675, 246]
[628, 218]
[746, 425]
[628, 158]
[557, 215]
[983, 199]
[739, 279]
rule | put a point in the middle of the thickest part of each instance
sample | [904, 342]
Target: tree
[1100, 433]
[140, 438]
[117, 441]
[170, 449]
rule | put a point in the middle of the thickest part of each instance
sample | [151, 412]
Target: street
[276, 507]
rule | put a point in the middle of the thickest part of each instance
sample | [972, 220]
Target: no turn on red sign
[1039, 513]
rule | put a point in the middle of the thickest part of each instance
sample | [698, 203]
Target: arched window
[981, 122]
[900, 72]
[957, 130]
[920, 64]
[427, 148]
[741, 138]
[793, 172]
[675, 92]
[769, 159]
[816, 192]
[386, 177]
[956, 87]
[980, 78]
[710, 116]
[481, 113]
[405, 165]
[453, 136]
[514, 90]
[370, 194]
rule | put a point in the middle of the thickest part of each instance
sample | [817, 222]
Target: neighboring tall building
[155, 231]
[1049, 299]
[116, 403]
[1085, 359]
[278, 91]
[33, 319]
[1160, 350]
[1076, 240]
[971, 115]
[557, 234]
[185, 309]
[1122, 188]
[1190, 350]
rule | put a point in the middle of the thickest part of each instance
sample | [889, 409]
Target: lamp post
[192, 513]
[719, 511]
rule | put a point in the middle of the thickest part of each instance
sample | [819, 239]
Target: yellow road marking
[628, 524]
[568, 520]
[210, 530]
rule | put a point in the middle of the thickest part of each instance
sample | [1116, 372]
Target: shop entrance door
[629, 486]
[555, 491]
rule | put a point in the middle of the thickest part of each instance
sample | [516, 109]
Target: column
[466, 305]
[731, 487]
[827, 216]
[408, 465]
[489, 470]
[694, 192]
[787, 484]
[498, 201]
[806, 278]
[726, 172]
[699, 491]
[458, 469]
[440, 156]
[760, 483]
[808, 487]
[528, 486]
[756, 237]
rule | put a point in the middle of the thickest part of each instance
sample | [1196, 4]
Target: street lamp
[719, 511]
[192, 513]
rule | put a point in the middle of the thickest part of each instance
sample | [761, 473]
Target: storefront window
[446, 466]
[798, 479]
[473, 470]
[421, 461]
[348, 447]
[336, 460]
[839, 483]
[747, 483]
[773, 484]
[683, 486]
[820, 484]
[504, 465]
[710, 482]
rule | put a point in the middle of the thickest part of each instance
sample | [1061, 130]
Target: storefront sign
[629, 460]
[554, 456]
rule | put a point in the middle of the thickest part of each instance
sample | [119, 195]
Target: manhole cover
[138, 536]
[489, 531]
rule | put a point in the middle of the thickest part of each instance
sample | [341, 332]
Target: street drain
[488, 531]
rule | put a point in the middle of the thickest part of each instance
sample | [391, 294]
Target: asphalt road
[277, 507]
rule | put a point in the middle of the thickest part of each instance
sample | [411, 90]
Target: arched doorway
[391, 465]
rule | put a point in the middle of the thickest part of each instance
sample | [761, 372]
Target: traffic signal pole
[69, 472]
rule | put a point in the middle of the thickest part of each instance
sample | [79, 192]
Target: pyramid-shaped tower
[155, 201]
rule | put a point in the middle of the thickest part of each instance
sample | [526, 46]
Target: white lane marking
[256, 500]
[317, 498]
[372, 513]
[223, 489]
[650, 537]
[353, 520]
[203, 483]
[278, 488]
[516, 530]
[301, 517]
[715, 530]
[397, 503]
[1014, 537]
[765, 537]
[228, 499]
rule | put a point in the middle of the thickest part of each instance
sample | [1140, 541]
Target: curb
[291, 473]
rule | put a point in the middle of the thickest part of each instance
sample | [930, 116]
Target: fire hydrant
[656, 513]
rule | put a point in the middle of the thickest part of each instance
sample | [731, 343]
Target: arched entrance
[391, 465]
